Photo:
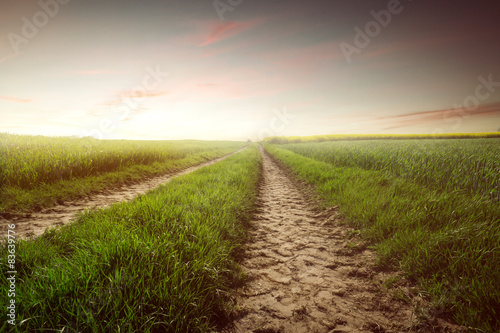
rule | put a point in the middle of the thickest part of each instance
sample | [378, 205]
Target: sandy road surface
[305, 275]
[34, 224]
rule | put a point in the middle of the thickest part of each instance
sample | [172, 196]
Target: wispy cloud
[220, 31]
[94, 72]
[129, 94]
[7, 58]
[16, 100]
[416, 118]
[307, 58]
[208, 85]
[134, 99]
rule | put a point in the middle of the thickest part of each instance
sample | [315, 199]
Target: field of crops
[163, 262]
[166, 260]
[31, 167]
[28, 161]
[471, 167]
[352, 137]
[430, 207]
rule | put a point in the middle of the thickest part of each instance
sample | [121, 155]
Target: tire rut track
[303, 276]
[35, 224]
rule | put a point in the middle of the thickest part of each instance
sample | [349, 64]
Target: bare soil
[309, 272]
[35, 224]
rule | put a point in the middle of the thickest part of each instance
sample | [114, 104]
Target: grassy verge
[60, 186]
[163, 262]
[447, 242]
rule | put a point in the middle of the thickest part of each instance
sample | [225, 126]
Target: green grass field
[353, 137]
[430, 208]
[163, 262]
[167, 260]
[471, 167]
[36, 171]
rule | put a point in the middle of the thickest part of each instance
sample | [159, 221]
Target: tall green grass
[350, 137]
[447, 241]
[37, 171]
[28, 161]
[164, 262]
[471, 167]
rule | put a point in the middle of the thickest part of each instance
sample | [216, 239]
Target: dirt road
[305, 274]
[34, 224]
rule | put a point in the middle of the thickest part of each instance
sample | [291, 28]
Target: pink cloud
[207, 85]
[7, 58]
[299, 65]
[94, 72]
[124, 95]
[312, 56]
[220, 31]
[415, 118]
[16, 100]
[222, 86]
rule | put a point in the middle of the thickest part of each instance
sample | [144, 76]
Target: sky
[241, 69]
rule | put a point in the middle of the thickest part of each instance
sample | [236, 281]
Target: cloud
[16, 100]
[131, 94]
[133, 99]
[220, 31]
[7, 58]
[150, 94]
[94, 72]
[447, 115]
[208, 85]
[307, 58]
